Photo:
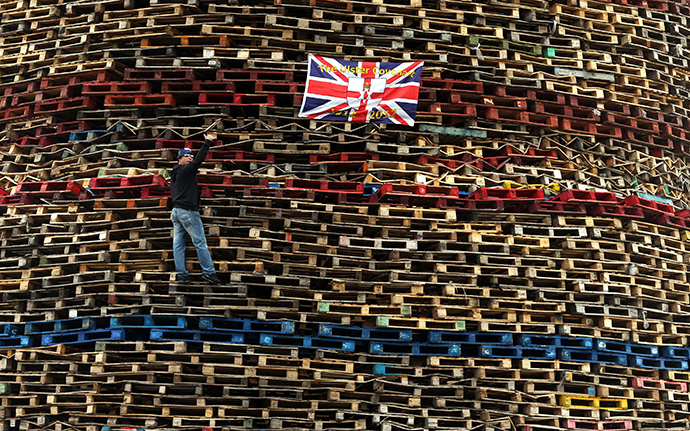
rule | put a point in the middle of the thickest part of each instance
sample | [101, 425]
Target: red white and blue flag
[361, 91]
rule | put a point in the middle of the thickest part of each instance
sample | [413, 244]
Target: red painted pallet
[648, 205]
[49, 188]
[6, 200]
[112, 100]
[236, 99]
[127, 182]
[611, 210]
[507, 194]
[672, 220]
[325, 186]
[117, 87]
[586, 197]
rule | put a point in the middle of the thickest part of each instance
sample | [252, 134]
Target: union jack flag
[365, 92]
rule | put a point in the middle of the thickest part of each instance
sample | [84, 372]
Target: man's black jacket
[183, 184]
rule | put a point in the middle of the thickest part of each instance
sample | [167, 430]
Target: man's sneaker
[211, 278]
[184, 278]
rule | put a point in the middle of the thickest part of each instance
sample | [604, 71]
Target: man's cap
[184, 152]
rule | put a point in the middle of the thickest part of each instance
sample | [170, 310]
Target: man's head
[185, 156]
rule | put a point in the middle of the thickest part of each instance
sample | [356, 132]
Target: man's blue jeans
[185, 223]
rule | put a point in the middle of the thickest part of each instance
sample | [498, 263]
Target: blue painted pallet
[594, 356]
[659, 363]
[630, 348]
[16, 342]
[219, 324]
[420, 349]
[158, 334]
[500, 351]
[455, 337]
[328, 343]
[673, 352]
[148, 321]
[11, 329]
[538, 340]
[83, 336]
[66, 325]
[363, 333]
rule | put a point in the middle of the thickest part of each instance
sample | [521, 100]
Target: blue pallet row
[363, 333]
[16, 342]
[674, 352]
[148, 321]
[11, 329]
[594, 356]
[630, 348]
[499, 351]
[220, 324]
[433, 349]
[329, 344]
[455, 337]
[65, 325]
[657, 363]
[558, 341]
[83, 336]
[421, 349]
[194, 335]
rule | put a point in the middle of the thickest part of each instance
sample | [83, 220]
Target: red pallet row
[323, 185]
[671, 220]
[19, 88]
[117, 87]
[515, 115]
[140, 100]
[107, 183]
[236, 99]
[614, 210]
[27, 141]
[648, 205]
[586, 197]
[45, 189]
[17, 113]
[72, 79]
[6, 200]
[59, 106]
[507, 194]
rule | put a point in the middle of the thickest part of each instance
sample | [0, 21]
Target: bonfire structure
[426, 215]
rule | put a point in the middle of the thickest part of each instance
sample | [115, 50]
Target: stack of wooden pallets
[516, 260]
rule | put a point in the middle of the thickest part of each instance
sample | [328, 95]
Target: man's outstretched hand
[210, 136]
